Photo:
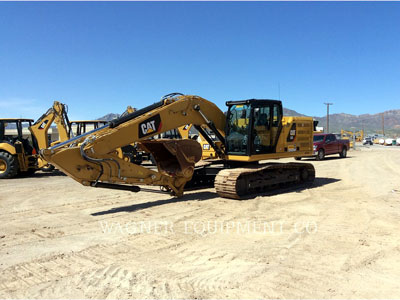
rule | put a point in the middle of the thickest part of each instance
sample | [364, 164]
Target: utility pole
[327, 115]
[383, 124]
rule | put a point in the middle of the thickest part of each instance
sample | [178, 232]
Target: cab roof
[253, 101]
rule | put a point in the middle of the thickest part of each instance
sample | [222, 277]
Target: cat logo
[150, 126]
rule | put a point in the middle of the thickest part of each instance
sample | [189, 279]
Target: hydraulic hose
[99, 161]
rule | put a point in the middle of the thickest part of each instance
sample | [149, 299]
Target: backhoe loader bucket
[174, 157]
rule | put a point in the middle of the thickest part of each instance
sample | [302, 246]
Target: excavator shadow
[320, 181]
[326, 158]
[41, 174]
[200, 196]
[206, 195]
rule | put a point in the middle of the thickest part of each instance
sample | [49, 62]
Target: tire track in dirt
[101, 260]
[91, 224]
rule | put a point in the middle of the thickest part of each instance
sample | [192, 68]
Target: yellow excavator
[251, 131]
[350, 135]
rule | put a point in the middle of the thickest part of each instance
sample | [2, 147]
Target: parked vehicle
[18, 148]
[388, 142]
[368, 141]
[328, 144]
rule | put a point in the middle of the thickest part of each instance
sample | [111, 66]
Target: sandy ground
[338, 239]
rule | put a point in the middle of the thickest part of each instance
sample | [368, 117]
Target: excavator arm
[92, 158]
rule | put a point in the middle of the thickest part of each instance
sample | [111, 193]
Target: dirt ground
[338, 239]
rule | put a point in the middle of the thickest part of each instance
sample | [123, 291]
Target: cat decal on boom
[150, 126]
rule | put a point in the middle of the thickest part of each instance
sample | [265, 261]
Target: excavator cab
[253, 126]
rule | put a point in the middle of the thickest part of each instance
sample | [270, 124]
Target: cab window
[10, 130]
[277, 116]
[330, 138]
[318, 138]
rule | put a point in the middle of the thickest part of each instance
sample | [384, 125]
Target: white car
[367, 141]
[381, 141]
[389, 142]
[398, 142]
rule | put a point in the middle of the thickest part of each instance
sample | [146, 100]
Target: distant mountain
[290, 112]
[370, 123]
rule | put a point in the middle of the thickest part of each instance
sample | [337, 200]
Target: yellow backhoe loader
[252, 131]
[18, 148]
[21, 140]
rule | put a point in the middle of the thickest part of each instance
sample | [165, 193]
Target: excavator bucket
[174, 157]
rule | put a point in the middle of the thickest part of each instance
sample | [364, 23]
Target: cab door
[330, 144]
[238, 129]
[261, 133]
[266, 121]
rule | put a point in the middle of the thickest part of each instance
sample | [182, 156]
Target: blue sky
[99, 57]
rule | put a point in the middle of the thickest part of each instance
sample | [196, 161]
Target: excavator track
[238, 183]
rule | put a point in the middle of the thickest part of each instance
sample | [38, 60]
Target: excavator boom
[92, 159]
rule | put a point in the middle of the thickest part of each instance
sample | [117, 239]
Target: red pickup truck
[327, 144]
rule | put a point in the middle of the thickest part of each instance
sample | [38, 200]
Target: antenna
[279, 90]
